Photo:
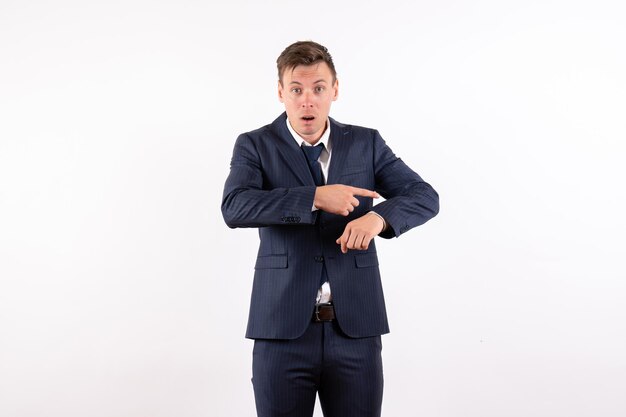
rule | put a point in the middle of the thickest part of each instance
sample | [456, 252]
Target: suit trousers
[346, 372]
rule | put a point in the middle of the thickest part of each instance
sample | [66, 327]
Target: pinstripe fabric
[347, 373]
[271, 187]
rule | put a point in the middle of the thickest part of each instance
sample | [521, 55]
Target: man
[308, 183]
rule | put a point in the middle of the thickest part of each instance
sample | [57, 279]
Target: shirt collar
[325, 139]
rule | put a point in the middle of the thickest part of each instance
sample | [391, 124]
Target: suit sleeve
[410, 201]
[246, 204]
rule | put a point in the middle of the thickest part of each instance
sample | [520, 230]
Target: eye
[319, 89]
[296, 90]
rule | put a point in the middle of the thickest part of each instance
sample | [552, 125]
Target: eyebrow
[316, 82]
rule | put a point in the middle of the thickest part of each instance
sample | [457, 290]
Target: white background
[123, 294]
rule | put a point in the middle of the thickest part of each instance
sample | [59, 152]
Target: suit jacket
[271, 187]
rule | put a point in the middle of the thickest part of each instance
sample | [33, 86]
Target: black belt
[324, 312]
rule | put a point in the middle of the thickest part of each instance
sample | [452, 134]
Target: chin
[306, 131]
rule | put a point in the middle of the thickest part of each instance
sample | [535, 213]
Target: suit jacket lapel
[340, 137]
[292, 155]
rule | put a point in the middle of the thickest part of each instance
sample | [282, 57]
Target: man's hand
[359, 232]
[339, 198]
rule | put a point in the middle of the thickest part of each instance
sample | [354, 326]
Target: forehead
[308, 73]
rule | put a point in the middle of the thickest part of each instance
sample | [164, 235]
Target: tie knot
[313, 152]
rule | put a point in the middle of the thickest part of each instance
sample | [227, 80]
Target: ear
[335, 90]
[280, 92]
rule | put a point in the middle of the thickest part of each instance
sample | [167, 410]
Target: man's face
[308, 92]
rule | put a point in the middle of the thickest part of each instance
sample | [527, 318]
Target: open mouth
[307, 118]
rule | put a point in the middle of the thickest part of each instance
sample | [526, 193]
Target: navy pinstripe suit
[271, 187]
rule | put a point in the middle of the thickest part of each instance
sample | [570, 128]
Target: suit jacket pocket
[353, 173]
[366, 260]
[271, 262]
[362, 178]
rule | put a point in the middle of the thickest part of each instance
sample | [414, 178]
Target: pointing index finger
[364, 192]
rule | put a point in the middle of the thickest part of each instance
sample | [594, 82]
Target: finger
[354, 202]
[364, 192]
[356, 241]
[343, 239]
[366, 242]
[338, 241]
[350, 208]
[351, 244]
[362, 241]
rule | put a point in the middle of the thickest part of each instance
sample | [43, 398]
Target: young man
[308, 183]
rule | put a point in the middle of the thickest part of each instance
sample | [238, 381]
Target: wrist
[381, 218]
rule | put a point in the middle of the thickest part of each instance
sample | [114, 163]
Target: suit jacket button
[319, 259]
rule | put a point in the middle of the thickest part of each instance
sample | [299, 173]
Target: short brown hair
[304, 53]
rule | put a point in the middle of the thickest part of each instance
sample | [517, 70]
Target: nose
[307, 100]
